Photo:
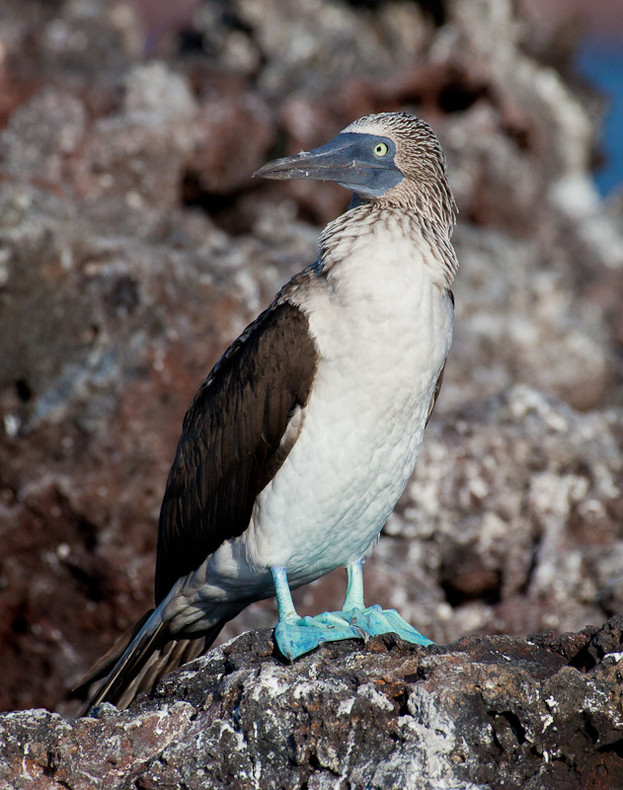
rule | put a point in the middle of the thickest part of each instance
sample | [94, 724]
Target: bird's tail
[139, 659]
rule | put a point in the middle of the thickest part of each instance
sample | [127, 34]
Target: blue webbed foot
[296, 636]
[375, 621]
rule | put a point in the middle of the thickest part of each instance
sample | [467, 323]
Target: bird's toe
[299, 636]
[375, 621]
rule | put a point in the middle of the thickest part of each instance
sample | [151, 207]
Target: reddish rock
[118, 292]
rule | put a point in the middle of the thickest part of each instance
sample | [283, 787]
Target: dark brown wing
[230, 444]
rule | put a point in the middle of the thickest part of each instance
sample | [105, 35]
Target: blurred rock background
[134, 246]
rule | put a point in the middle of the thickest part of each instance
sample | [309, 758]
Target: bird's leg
[372, 619]
[284, 596]
[297, 635]
[354, 587]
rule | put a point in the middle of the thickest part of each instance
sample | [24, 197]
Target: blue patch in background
[601, 61]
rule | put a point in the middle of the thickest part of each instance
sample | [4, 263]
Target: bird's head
[391, 158]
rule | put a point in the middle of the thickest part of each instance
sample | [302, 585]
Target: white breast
[383, 329]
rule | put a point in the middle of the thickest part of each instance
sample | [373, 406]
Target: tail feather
[130, 667]
[105, 663]
[162, 660]
[136, 663]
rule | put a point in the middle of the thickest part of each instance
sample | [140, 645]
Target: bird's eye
[381, 149]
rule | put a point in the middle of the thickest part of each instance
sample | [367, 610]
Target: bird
[300, 441]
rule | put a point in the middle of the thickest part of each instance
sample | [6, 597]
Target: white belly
[383, 330]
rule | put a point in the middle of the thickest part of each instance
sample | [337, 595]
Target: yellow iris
[381, 149]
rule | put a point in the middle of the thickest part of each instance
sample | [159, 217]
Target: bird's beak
[334, 161]
[345, 160]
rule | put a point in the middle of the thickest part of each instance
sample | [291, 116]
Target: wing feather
[231, 443]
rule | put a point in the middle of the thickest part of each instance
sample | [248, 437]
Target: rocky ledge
[481, 712]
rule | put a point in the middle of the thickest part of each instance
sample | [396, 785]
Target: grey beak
[330, 162]
[348, 160]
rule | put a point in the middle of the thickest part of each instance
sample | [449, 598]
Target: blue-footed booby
[303, 436]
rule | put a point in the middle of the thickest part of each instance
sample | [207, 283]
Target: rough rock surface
[134, 246]
[536, 488]
[479, 713]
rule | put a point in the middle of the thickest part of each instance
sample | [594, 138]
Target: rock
[514, 510]
[318, 44]
[43, 133]
[232, 118]
[134, 247]
[482, 712]
[518, 317]
[101, 371]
